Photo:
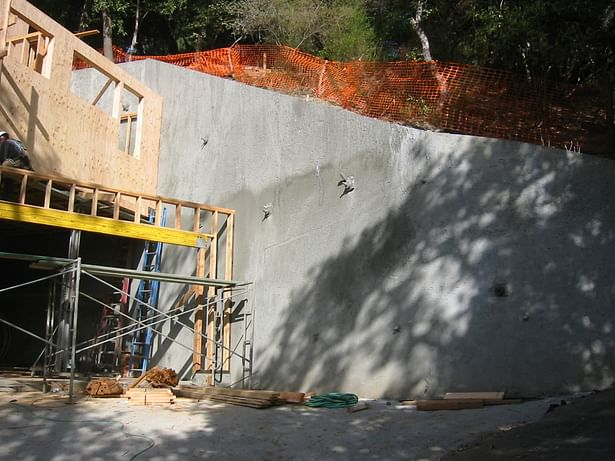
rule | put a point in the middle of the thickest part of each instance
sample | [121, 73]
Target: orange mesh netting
[435, 95]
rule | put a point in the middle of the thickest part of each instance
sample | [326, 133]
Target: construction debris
[165, 377]
[157, 377]
[104, 387]
[358, 407]
[245, 398]
[150, 396]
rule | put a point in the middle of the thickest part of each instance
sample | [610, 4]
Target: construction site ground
[37, 426]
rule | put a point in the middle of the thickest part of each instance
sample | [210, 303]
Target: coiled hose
[333, 400]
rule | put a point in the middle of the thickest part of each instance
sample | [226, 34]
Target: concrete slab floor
[36, 426]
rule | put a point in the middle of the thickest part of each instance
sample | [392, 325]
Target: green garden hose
[333, 400]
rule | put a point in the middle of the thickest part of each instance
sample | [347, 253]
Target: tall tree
[334, 29]
[416, 21]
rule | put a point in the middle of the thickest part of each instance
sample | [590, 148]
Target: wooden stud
[197, 355]
[138, 205]
[196, 223]
[94, 210]
[23, 188]
[117, 99]
[71, 199]
[117, 205]
[158, 213]
[48, 187]
[178, 216]
[228, 275]
[211, 292]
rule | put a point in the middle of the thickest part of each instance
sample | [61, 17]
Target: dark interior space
[26, 306]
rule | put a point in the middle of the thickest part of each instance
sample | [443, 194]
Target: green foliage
[350, 36]
[571, 40]
[338, 30]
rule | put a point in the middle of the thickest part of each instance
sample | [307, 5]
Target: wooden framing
[61, 202]
[66, 134]
[90, 138]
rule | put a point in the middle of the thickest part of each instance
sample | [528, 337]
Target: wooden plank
[434, 405]
[255, 394]
[22, 189]
[199, 290]
[245, 402]
[474, 395]
[87, 33]
[138, 206]
[211, 296]
[100, 93]
[501, 401]
[94, 202]
[206, 392]
[117, 203]
[137, 382]
[47, 200]
[71, 199]
[178, 216]
[100, 225]
[228, 306]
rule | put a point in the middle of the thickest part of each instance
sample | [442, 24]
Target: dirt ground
[581, 430]
[36, 426]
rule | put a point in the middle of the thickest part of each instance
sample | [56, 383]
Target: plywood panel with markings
[69, 133]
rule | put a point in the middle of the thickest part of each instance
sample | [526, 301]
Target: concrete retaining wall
[456, 264]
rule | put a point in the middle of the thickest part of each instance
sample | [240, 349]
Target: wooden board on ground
[474, 395]
[448, 404]
[247, 398]
[232, 392]
[292, 397]
[149, 396]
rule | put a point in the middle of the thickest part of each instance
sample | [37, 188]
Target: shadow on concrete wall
[494, 274]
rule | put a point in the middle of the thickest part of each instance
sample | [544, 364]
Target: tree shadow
[494, 273]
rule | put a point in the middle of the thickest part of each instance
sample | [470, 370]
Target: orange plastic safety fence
[435, 95]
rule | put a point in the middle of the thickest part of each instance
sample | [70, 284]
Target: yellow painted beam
[66, 220]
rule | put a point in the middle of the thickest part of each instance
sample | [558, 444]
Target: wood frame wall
[65, 134]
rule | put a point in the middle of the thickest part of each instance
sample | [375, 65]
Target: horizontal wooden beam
[100, 225]
[87, 33]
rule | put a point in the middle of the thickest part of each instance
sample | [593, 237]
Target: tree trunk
[135, 33]
[418, 30]
[107, 35]
[84, 20]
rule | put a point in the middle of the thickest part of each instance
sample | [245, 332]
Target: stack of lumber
[464, 401]
[244, 398]
[149, 396]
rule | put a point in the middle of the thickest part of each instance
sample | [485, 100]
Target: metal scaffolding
[61, 349]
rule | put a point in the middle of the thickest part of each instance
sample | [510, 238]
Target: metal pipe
[26, 332]
[54, 263]
[75, 309]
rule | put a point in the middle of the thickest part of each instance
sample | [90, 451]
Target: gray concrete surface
[36, 427]
[457, 263]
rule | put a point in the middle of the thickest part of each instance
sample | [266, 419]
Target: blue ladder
[147, 292]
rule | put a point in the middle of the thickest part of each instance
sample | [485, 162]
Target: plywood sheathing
[65, 134]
